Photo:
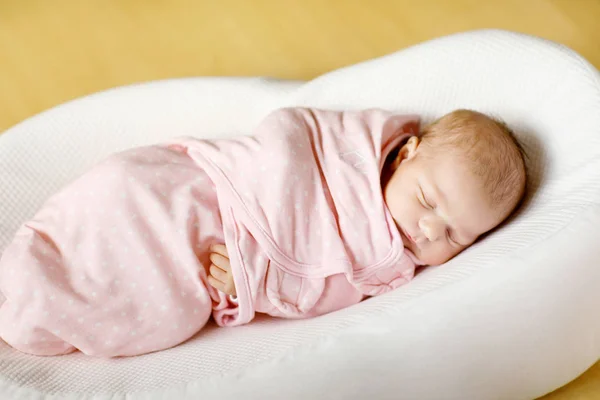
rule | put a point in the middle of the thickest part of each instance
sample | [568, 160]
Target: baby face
[438, 204]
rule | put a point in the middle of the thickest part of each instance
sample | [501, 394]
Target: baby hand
[220, 276]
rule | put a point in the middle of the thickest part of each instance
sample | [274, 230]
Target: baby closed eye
[453, 241]
[450, 239]
[423, 200]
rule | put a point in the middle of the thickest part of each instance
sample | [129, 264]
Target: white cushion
[514, 317]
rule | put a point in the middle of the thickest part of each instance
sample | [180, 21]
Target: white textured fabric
[513, 317]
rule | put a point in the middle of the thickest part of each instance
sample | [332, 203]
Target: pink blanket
[115, 263]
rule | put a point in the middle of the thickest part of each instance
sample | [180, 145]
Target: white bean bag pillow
[513, 317]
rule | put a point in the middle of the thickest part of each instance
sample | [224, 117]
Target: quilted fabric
[513, 317]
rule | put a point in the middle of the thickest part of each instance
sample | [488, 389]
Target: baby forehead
[448, 178]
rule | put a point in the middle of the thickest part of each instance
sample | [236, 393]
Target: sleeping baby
[315, 211]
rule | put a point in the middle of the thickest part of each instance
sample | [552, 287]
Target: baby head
[460, 178]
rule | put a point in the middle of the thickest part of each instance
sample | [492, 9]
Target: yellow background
[52, 51]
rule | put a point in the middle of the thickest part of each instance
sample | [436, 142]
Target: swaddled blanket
[115, 263]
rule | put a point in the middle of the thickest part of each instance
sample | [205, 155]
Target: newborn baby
[314, 212]
[458, 179]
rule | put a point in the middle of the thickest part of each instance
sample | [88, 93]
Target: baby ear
[406, 152]
[409, 149]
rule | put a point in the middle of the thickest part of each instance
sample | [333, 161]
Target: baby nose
[432, 228]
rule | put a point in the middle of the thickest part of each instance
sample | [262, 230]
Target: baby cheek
[436, 253]
[449, 252]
